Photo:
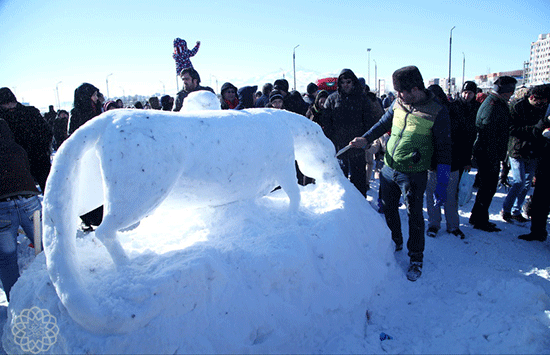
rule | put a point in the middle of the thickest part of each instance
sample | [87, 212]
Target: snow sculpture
[210, 157]
[200, 101]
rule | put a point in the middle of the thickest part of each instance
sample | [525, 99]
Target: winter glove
[543, 123]
[503, 181]
[440, 194]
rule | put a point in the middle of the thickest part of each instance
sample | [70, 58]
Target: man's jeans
[14, 213]
[523, 171]
[450, 206]
[393, 184]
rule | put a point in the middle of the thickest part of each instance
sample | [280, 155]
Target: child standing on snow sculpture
[182, 54]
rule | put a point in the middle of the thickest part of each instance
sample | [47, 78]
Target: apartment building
[538, 71]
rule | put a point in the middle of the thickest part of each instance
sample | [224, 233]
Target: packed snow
[242, 270]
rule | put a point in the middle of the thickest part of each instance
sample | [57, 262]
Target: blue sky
[48, 41]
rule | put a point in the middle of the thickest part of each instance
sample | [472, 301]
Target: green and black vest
[410, 147]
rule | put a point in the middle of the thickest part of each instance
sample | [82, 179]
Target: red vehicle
[328, 84]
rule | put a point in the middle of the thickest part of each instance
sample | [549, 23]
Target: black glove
[543, 123]
[503, 181]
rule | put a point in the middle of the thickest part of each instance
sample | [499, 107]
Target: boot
[533, 236]
[415, 270]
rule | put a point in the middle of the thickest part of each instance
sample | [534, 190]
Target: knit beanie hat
[281, 84]
[505, 84]
[469, 86]
[6, 96]
[312, 88]
[406, 78]
[275, 94]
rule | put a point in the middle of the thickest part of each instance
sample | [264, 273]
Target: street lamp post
[368, 82]
[375, 76]
[107, 82]
[463, 67]
[57, 91]
[450, 46]
[294, 64]
[213, 76]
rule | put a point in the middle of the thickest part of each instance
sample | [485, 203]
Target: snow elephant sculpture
[245, 154]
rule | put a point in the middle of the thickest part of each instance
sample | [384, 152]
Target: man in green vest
[420, 132]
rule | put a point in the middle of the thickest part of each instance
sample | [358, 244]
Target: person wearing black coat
[492, 122]
[246, 96]
[524, 149]
[85, 107]
[293, 101]
[31, 132]
[463, 114]
[50, 115]
[60, 128]
[263, 100]
[540, 201]
[348, 115]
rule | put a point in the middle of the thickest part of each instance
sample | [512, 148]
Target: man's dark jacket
[525, 142]
[294, 102]
[492, 122]
[348, 115]
[463, 131]
[33, 133]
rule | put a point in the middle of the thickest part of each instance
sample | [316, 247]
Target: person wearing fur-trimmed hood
[229, 99]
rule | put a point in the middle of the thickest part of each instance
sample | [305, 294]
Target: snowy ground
[488, 293]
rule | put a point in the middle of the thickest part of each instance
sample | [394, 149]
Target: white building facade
[539, 61]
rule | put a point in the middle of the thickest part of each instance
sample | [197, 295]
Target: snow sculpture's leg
[290, 186]
[106, 233]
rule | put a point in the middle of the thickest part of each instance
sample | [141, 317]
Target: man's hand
[360, 142]
[198, 42]
[503, 182]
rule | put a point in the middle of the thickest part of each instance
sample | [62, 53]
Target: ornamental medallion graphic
[35, 330]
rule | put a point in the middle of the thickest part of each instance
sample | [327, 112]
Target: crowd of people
[419, 142]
